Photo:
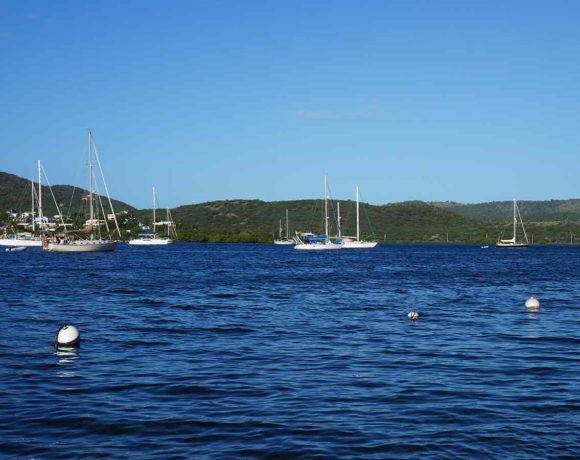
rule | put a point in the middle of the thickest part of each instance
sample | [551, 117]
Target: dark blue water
[253, 351]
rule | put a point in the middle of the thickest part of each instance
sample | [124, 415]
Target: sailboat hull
[17, 249]
[318, 247]
[358, 244]
[151, 242]
[511, 245]
[81, 246]
[17, 243]
[284, 242]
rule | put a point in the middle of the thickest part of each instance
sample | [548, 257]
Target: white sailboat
[28, 239]
[21, 239]
[92, 244]
[151, 238]
[351, 242]
[322, 242]
[513, 242]
[283, 240]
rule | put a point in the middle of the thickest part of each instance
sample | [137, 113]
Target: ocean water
[259, 351]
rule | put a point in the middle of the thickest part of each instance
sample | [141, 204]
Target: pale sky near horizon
[467, 101]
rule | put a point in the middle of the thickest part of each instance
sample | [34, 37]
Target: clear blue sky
[434, 100]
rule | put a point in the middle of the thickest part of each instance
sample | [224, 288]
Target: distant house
[163, 223]
[94, 222]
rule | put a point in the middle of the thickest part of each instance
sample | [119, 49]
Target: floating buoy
[67, 336]
[413, 315]
[533, 304]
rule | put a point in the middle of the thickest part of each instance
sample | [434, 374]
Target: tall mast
[32, 199]
[515, 220]
[326, 208]
[154, 230]
[40, 195]
[168, 224]
[280, 230]
[338, 218]
[171, 232]
[357, 217]
[287, 232]
[91, 211]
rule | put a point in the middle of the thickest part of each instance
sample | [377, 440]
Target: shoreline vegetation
[256, 221]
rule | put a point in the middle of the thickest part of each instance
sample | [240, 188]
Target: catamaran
[513, 242]
[151, 238]
[349, 242]
[285, 240]
[68, 243]
[320, 242]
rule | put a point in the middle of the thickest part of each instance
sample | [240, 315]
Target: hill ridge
[258, 220]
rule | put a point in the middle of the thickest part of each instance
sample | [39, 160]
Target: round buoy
[413, 315]
[67, 336]
[533, 304]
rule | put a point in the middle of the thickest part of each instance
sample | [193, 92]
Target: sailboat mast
[357, 216]
[168, 223]
[338, 218]
[40, 195]
[32, 199]
[515, 221]
[91, 211]
[280, 230]
[154, 229]
[287, 232]
[326, 208]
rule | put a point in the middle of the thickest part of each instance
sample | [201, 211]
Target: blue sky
[467, 101]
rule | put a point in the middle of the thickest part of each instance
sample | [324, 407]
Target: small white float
[532, 304]
[413, 315]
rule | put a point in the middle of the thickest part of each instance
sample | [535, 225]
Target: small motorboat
[17, 249]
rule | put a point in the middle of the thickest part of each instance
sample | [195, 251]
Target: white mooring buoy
[67, 336]
[413, 315]
[533, 304]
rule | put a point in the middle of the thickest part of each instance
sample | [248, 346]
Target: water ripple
[254, 351]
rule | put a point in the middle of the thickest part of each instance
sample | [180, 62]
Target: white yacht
[70, 244]
[349, 242]
[151, 238]
[21, 239]
[284, 240]
[79, 245]
[513, 242]
[28, 239]
[320, 242]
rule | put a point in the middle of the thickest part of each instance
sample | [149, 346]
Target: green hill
[531, 211]
[15, 196]
[412, 221]
[257, 221]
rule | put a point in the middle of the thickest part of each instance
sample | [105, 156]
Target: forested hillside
[556, 221]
